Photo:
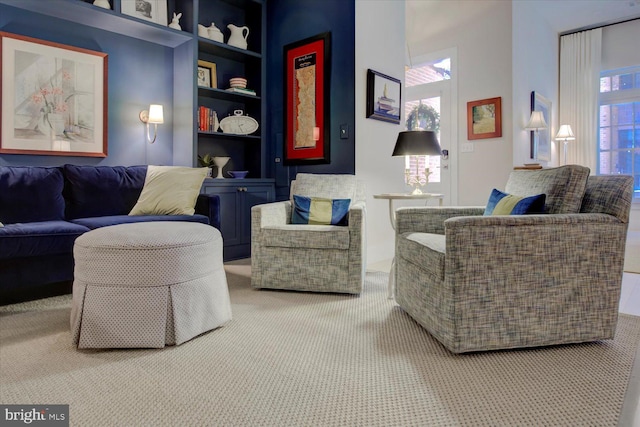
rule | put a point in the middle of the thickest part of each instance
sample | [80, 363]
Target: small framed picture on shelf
[207, 76]
[149, 10]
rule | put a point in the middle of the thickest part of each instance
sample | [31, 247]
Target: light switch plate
[466, 147]
[344, 131]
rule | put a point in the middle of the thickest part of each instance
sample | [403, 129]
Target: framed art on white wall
[541, 140]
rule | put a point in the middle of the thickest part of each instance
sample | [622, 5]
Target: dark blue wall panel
[293, 20]
[139, 74]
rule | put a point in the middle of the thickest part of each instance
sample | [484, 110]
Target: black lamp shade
[417, 143]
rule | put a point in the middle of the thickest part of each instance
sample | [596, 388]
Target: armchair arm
[564, 244]
[268, 214]
[430, 219]
[357, 213]
[357, 244]
[209, 205]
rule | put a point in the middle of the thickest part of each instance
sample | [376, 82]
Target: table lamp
[414, 144]
[565, 134]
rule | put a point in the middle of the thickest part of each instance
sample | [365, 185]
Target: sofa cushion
[38, 238]
[103, 221]
[92, 191]
[564, 186]
[320, 211]
[170, 190]
[30, 194]
[507, 204]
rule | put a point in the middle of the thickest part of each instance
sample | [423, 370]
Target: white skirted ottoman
[148, 284]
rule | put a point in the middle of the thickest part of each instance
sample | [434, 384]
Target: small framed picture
[207, 76]
[149, 10]
[383, 97]
[484, 118]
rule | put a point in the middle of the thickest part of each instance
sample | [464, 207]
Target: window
[619, 124]
[424, 114]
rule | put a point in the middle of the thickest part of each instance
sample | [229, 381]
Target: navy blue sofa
[44, 209]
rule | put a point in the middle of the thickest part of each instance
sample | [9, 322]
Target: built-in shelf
[226, 95]
[225, 51]
[229, 135]
[104, 19]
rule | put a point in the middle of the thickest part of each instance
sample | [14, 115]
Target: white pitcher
[238, 37]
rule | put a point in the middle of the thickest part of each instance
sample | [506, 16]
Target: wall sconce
[153, 115]
[565, 134]
[417, 143]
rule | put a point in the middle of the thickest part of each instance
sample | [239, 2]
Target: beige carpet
[304, 359]
[632, 252]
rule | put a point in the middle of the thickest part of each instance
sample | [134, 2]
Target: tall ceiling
[426, 18]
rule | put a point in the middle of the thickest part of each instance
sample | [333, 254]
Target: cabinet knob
[242, 188]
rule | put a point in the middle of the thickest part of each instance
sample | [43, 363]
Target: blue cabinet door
[236, 199]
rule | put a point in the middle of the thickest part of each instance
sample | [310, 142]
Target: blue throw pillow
[31, 194]
[320, 211]
[507, 204]
[92, 191]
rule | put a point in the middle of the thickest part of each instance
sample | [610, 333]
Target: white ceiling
[426, 18]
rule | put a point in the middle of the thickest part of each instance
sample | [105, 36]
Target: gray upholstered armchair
[493, 282]
[318, 258]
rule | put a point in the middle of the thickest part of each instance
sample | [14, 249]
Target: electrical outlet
[466, 147]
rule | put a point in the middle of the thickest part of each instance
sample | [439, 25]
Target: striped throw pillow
[320, 211]
[507, 204]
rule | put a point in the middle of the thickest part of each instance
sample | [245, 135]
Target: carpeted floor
[305, 359]
[632, 252]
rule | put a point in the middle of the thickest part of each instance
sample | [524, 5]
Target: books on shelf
[207, 119]
[242, 91]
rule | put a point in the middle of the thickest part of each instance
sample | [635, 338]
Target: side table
[392, 217]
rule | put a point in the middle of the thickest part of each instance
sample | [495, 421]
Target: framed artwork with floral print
[54, 98]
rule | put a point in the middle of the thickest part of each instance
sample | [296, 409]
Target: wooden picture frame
[541, 140]
[382, 94]
[149, 10]
[307, 109]
[207, 75]
[54, 98]
[484, 118]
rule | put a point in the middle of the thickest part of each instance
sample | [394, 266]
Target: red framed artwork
[306, 94]
[54, 98]
[484, 118]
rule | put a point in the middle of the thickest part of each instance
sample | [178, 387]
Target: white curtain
[580, 58]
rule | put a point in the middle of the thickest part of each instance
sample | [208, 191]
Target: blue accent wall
[293, 20]
[139, 73]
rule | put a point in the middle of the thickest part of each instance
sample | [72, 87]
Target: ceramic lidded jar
[215, 34]
[203, 31]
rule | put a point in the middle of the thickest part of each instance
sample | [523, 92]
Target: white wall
[484, 71]
[620, 45]
[535, 68]
[380, 45]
